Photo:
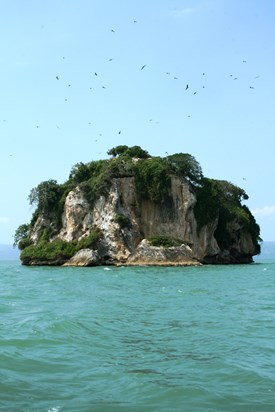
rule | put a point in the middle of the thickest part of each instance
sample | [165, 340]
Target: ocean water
[137, 339]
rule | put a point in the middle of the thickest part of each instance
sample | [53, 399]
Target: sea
[150, 339]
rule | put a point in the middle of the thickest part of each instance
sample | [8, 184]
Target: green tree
[138, 152]
[134, 151]
[80, 173]
[152, 178]
[21, 237]
[186, 165]
[117, 151]
[46, 196]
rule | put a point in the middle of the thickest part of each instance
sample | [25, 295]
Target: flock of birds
[187, 87]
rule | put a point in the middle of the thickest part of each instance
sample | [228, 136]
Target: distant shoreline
[8, 252]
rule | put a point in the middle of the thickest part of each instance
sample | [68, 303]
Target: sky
[80, 77]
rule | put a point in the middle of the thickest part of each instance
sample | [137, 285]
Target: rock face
[126, 243]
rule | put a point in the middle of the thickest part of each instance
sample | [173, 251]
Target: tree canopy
[134, 151]
[46, 195]
[186, 165]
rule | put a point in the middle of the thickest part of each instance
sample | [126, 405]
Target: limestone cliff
[129, 244]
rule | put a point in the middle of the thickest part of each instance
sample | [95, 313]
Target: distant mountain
[8, 252]
[267, 251]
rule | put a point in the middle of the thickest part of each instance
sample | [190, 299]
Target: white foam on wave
[54, 409]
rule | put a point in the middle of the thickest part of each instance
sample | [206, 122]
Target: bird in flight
[143, 67]
[119, 132]
[57, 78]
[112, 31]
[95, 73]
[186, 87]
[251, 87]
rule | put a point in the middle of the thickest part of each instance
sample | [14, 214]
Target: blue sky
[55, 111]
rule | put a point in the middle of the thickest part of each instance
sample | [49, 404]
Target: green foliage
[252, 227]
[164, 241]
[21, 237]
[24, 243]
[122, 220]
[118, 150]
[134, 151]
[153, 180]
[219, 199]
[58, 250]
[207, 206]
[214, 195]
[80, 173]
[185, 165]
[45, 196]
[90, 241]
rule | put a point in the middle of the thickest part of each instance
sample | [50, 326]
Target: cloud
[264, 211]
[4, 219]
[186, 11]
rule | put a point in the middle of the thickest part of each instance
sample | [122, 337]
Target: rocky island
[137, 209]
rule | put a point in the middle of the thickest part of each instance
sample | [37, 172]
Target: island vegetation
[215, 199]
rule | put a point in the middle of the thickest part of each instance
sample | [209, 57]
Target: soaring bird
[186, 87]
[143, 67]
[95, 73]
[119, 132]
[57, 78]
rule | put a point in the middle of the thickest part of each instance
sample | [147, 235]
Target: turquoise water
[137, 339]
